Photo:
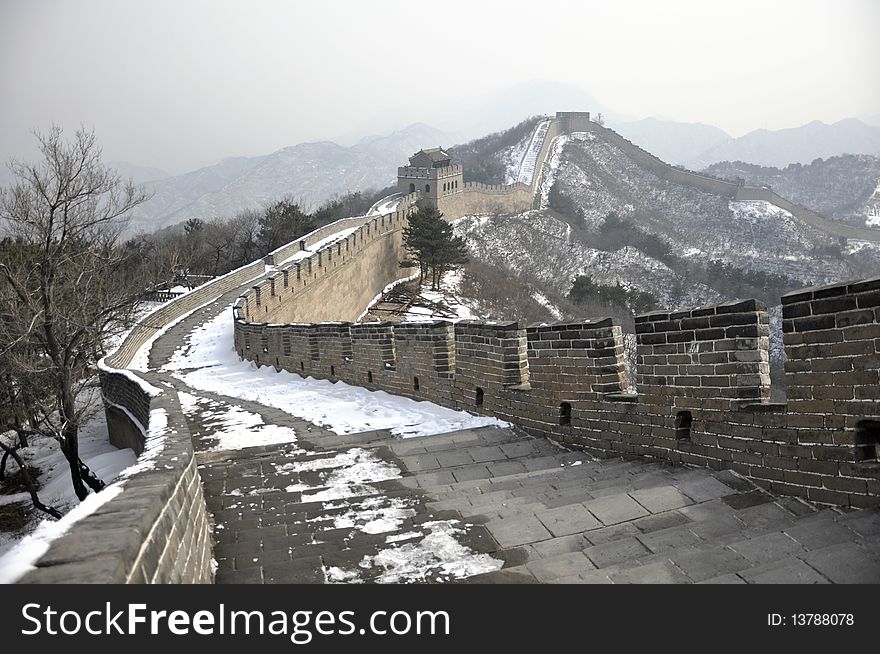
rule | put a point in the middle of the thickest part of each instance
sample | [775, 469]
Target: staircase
[526, 509]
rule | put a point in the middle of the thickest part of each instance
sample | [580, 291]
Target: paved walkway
[494, 505]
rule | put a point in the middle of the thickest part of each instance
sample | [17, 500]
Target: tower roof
[432, 157]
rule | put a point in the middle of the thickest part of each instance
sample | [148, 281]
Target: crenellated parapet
[719, 352]
[702, 373]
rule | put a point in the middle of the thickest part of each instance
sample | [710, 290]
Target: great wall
[702, 401]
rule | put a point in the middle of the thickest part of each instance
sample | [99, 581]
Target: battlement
[719, 352]
[703, 382]
[573, 121]
[418, 172]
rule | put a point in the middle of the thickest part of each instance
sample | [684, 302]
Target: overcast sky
[181, 83]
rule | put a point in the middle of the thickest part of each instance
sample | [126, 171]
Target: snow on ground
[449, 295]
[386, 205]
[412, 562]
[529, 162]
[385, 290]
[232, 426]
[873, 221]
[20, 559]
[337, 406]
[345, 474]
[537, 245]
[409, 555]
[548, 176]
[140, 360]
[541, 299]
[311, 248]
[853, 246]
[54, 485]
[370, 517]
[512, 158]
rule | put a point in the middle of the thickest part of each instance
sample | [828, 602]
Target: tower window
[369, 376]
[412, 188]
[683, 421]
[415, 383]
[427, 188]
[478, 397]
[867, 440]
[565, 413]
[332, 371]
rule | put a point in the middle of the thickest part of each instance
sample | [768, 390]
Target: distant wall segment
[723, 188]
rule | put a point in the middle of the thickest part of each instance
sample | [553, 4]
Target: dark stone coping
[831, 290]
[621, 397]
[588, 323]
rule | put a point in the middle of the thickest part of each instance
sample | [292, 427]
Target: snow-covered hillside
[682, 246]
[540, 246]
[841, 188]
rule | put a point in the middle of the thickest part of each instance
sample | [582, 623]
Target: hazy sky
[181, 83]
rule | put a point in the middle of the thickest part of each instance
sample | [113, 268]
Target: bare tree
[65, 281]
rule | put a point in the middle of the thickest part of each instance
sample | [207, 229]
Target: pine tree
[432, 243]
[282, 222]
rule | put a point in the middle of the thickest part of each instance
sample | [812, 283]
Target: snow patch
[438, 556]
[337, 406]
[233, 427]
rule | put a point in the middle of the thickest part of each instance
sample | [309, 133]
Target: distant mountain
[675, 143]
[795, 145]
[140, 174]
[405, 141]
[309, 172]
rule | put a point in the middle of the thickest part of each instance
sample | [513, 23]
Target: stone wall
[336, 282]
[156, 529]
[748, 193]
[477, 198]
[703, 382]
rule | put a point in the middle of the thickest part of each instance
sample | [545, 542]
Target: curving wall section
[703, 376]
[155, 530]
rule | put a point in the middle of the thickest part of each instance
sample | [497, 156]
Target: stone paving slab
[658, 499]
[702, 565]
[545, 513]
[560, 565]
[662, 572]
[844, 563]
[567, 520]
[784, 571]
[522, 530]
[613, 509]
[766, 548]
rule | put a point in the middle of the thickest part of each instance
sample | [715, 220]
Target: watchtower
[432, 174]
[573, 121]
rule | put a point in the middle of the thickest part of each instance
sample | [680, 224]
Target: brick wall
[335, 282]
[703, 381]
